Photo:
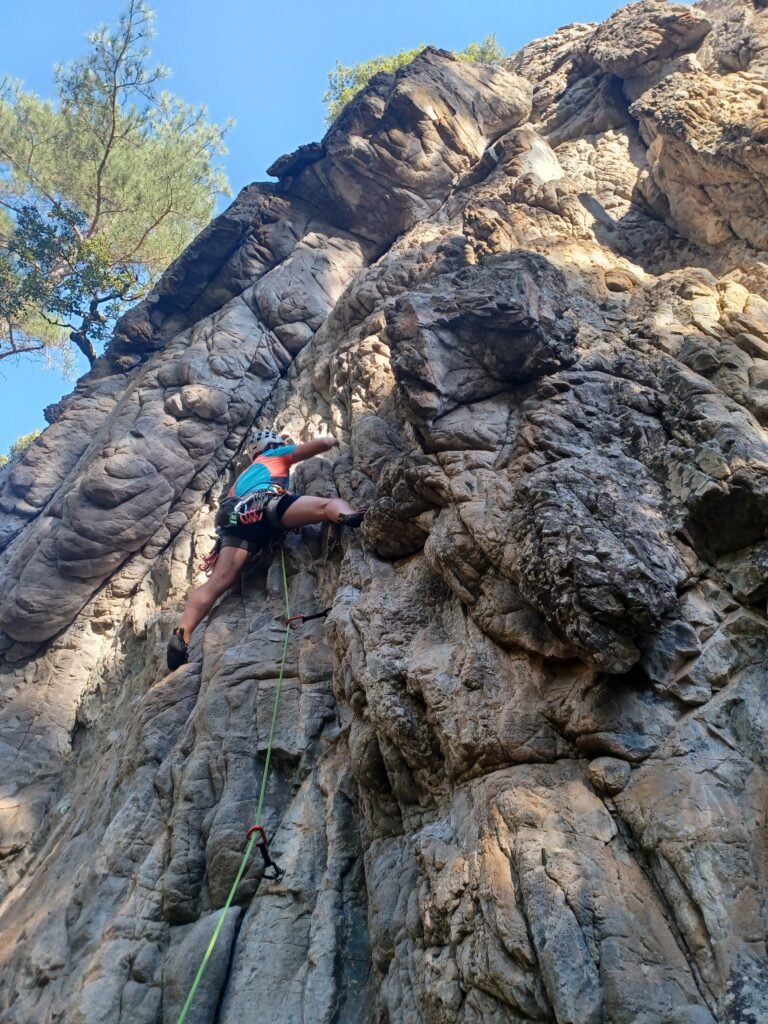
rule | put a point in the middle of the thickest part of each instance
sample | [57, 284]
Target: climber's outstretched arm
[316, 447]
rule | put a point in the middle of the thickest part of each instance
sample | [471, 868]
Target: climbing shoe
[353, 518]
[177, 650]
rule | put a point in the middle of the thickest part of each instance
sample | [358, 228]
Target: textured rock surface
[521, 770]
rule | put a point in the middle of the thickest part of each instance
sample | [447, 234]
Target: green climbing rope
[262, 792]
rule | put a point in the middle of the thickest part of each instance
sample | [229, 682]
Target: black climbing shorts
[252, 537]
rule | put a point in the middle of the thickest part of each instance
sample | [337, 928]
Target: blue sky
[265, 65]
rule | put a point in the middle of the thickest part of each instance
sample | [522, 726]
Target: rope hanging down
[257, 832]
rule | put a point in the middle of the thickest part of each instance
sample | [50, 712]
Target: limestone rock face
[520, 769]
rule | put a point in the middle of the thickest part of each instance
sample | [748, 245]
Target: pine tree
[99, 190]
[346, 82]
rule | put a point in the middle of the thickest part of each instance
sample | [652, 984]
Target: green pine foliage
[487, 52]
[99, 190]
[23, 442]
[346, 82]
[19, 446]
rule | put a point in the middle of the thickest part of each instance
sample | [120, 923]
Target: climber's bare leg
[229, 565]
[305, 511]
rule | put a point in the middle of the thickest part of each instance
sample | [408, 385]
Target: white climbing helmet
[260, 440]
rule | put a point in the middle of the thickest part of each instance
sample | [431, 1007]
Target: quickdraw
[301, 619]
[263, 845]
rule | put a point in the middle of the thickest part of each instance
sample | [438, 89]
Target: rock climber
[257, 510]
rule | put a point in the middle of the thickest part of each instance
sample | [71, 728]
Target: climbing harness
[251, 509]
[242, 512]
[208, 564]
[256, 830]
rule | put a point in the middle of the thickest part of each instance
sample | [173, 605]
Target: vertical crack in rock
[520, 771]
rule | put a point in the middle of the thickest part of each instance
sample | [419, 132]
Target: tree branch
[18, 348]
[156, 223]
[114, 88]
[57, 323]
[102, 166]
[84, 343]
[5, 155]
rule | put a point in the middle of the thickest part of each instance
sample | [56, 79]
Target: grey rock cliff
[521, 770]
